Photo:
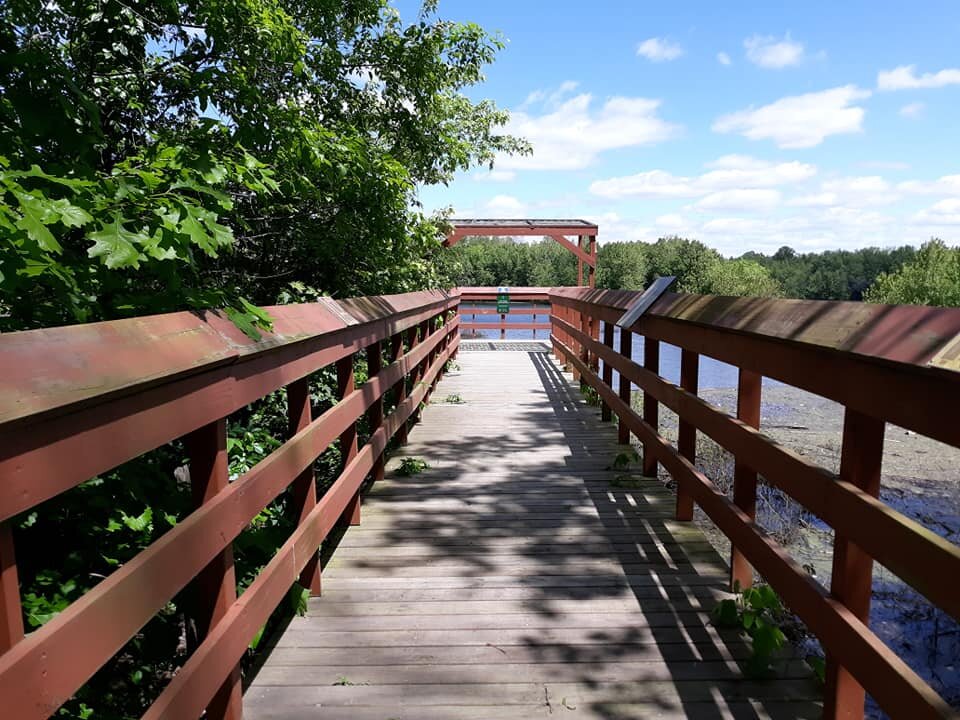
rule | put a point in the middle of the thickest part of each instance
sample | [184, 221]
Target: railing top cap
[909, 334]
[55, 368]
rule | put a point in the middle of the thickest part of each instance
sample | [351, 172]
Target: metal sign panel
[643, 303]
[503, 300]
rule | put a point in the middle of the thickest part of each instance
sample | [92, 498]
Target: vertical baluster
[574, 320]
[687, 433]
[595, 335]
[400, 389]
[375, 413]
[304, 487]
[348, 440]
[861, 458]
[605, 412]
[11, 613]
[651, 408]
[749, 388]
[584, 350]
[626, 350]
[215, 588]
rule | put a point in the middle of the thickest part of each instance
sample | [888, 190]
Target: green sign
[503, 300]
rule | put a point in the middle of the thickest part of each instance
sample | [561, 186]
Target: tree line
[928, 275]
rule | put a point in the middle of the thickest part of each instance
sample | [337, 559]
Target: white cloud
[551, 98]
[659, 49]
[652, 183]
[571, 136]
[824, 199]
[767, 51]
[740, 199]
[723, 58]
[800, 121]
[945, 212]
[730, 172]
[905, 78]
[494, 175]
[504, 206]
[670, 221]
[913, 110]
[946, 185]
[885, 165]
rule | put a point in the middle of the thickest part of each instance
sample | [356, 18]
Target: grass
[410, 466]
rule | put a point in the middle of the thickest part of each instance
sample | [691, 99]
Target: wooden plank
[511, 568]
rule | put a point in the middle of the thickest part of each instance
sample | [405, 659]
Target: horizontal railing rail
[79, 401]
[481, 301]
[859, 355]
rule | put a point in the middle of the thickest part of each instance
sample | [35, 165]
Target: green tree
[741, 277]
[160, 155]
[622, 266]
[689, 260]
[931, 278]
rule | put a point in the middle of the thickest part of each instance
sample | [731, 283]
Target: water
[713, 373]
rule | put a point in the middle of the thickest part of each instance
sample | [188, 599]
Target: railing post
[749, 391]
[626, 350]
[450, 339]
[215, 588]
[605, 412]
[400, 389]
[375, 413]
[651, 408]
[434, 326]
[348, 440]
[687, 433]
[304, 488]
[11, 613]
[861, 459]
[584, 350]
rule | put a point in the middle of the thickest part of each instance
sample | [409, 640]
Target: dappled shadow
[515, 571]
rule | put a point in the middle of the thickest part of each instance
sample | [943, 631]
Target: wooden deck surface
[513, 580]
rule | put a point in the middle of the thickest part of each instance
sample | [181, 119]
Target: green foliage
[410, 466]
[756, 610]
[622, 265]
[819, 667]
[158, 155]
[454, 399]
[932, 277]
[625, 460]
[741, 277]
[690, 260]
[831, 275]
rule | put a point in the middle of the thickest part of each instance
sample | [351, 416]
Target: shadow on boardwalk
[513, 580]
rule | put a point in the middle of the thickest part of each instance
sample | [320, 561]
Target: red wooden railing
[882, 363]
[79, 401]
[482, 301]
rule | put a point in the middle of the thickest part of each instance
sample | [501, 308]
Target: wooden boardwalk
[513, 579]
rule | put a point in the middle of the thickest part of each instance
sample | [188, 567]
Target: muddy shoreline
[921, 479]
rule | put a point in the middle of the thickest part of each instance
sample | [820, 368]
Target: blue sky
[746, 125]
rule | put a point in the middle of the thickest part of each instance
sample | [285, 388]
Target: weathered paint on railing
[883, 363]
[78, 401]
